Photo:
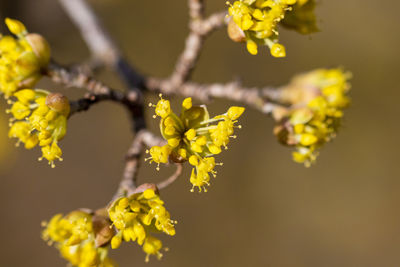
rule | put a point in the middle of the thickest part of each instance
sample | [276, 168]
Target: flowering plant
[308, 113]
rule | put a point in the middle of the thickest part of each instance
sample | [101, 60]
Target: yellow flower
[39, 118]
[319, 98]
[152, 246]
[195, 137]
[21, 59]
[74, 237]
[138, 215]
[258, 20]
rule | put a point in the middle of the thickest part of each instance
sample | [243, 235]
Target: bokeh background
[263, 209]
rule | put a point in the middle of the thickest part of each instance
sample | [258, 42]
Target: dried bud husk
[102, 228]
[143, 187]
[29, 82]
[177, 158]
[40, 47]
[235, 33]
[58, 103]
[284, 134]
[279, 113]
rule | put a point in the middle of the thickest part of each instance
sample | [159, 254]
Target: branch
[103, 48]
[97, 91]
[96, 37]
[88, 100]
[143, 138]
[199, 29]
[172, 178]
[73, 77]
[196, 9]
[264, 99]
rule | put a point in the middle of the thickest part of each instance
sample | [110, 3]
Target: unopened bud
[58, 103]
[15, 26]
[278, 50]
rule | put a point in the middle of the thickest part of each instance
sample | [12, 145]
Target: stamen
[211, 121]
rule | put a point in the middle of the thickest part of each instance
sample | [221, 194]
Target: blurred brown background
[263, 209]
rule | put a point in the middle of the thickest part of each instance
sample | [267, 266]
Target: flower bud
[278, 50]
[58, 103]
[15, 26]
[40, 47]
[29, 82]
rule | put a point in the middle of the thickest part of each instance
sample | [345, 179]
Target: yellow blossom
[258, 22]
[318, 100]
[195, 137]
[152, 246]
[39, 118]
[74, 237]
[138, 215]
[21, 58]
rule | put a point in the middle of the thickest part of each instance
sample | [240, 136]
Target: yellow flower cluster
[39, 118]
[136, 216]
[193, 137]
[21, 59]
[256, 21]
[74, 237]
[315, 120]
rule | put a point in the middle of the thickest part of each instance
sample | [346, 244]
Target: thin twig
[196, 9]
[172, 178]
[210, 24]
[264, 99]
[86, 102]
[142, 139]
[103, 48]
[72, 77]
[96, 37]
[199, 29]
[97, 91]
